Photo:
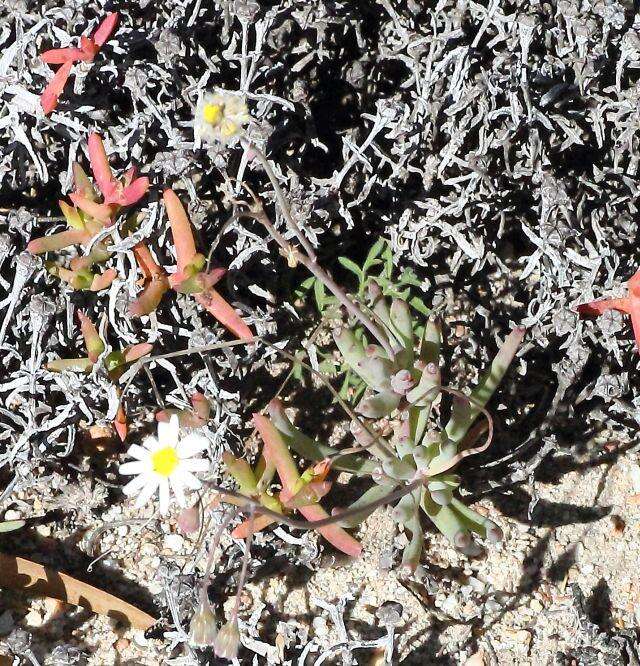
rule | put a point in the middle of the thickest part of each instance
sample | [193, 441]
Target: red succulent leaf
[634, 284]
[89, 46]
[257, 524]
[212, 277]
[146, 262]
[157, 284]
[224, 313]
[104, 280]
[180, 229]
[60, 56]
[135, 352]
[100, 212]
[120, 423]
[100, 166]
[50, 95]
[92, 340]
[150, 297]
[595, 308]
[113, 191]
[57, 241]
[89, 49]
[132, 193]
[276, 451]
[104, 30]
[630, 305]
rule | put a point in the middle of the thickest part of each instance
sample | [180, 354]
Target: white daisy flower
[166, 464]
[220, 117]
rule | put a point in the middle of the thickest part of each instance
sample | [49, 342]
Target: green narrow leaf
[464, 413]
[351, 266]
[387, 255]
[319, 293]
[374, 253]
[418, 304]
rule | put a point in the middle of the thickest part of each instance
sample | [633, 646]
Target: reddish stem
[276, 451]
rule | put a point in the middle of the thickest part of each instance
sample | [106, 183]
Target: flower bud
[402, 382]
[228, 641]
[494, 533]
[203, 629]
[189, 520]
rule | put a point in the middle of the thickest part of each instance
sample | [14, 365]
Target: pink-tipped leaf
[132, 193]
[92, 340]
[60, 56]
[53, 90]
[100, 166]
[105, 29]
[180, 229]
[135, 352]
[100, 212]
[56, 241]
[595, 308]
[150, 298]
[104, 280]
[212, 302]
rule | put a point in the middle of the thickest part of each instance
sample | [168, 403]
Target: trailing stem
[310, 262]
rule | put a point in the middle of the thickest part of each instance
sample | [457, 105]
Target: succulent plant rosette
[400, 440]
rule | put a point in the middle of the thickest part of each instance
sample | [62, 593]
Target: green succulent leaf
[310, 449]
[464, 413]
[374, 494]
[351, 265]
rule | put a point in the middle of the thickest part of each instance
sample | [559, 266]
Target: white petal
[191, 444]
[178, 489]
[168, 432]
[195, 465]
[138, 452]
[134, 467]
[151, 443]
[164, 497]
[147, 492]
[134, 485]
[189, 480]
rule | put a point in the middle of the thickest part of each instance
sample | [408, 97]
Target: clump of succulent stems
[412, 468]
[93, 211]
[191, 275]
[96, 209]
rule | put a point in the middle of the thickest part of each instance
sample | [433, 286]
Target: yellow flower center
[164, 461]
[212, 113]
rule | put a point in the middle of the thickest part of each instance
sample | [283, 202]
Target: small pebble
[12, 514]
[173, 542]
[44, 530]
[122, 644]
[33, 618]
